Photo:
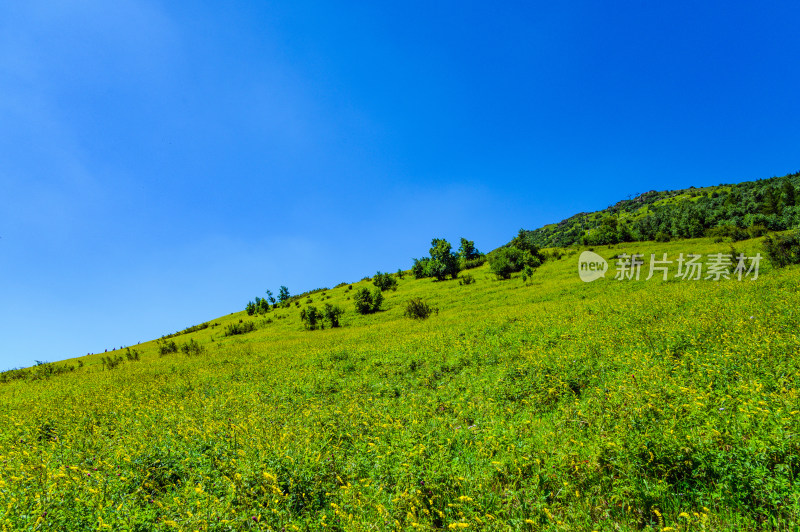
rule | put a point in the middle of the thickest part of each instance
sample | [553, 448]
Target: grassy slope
[557, 405]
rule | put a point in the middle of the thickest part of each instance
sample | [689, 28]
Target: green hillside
[740, 211]
[544, 404]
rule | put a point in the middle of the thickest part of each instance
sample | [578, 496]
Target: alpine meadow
[470, 392]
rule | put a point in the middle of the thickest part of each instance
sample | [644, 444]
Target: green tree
[468, 251]
[524, 241]
[443, 261]
[420, 268]
[789, 194]
[311, 318]
[770, 202]
[283, 295]
[332, 313]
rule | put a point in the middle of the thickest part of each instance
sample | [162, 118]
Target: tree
[770, 203]
[270, 298]
[332, 312]
[789, 194]
[311, 318]
[443, 261]
[420, 268]
[468, 251]
[524, 241]
[283, 295]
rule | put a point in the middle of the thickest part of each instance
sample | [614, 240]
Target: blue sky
[161, 163]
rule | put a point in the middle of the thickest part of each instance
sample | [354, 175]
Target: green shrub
[192, 347]
[417, 309]
[466, 279]
[473, 263]
[239, 328]
[783, 250]
[527, 273]
[367, 302]
[505, 261]
[757, 231]
[384, 281]
[112, 362]
[165, 348]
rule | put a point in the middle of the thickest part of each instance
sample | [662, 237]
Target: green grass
[551, 405]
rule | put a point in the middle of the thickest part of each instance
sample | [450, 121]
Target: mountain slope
[739, 210]
[548, 405]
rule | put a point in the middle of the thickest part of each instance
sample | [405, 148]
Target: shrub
[192, 348]
[661, 236]
[554, 254]
[473, 263]
[505, 261]
[166, 348]
[332, 313]
[368, 302]
[238, 328]
[731, 231]
[417, 309]
[131, 355]
[527, 273]
[311, 318]
[783, 250]
[757, 230]
[111, 363]
[384, 281]
[400, 274]
[466, 279]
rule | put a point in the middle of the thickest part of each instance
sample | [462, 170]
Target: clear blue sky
[161, 163]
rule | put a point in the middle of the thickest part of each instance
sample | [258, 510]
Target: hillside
[739, 210]
[550, 404]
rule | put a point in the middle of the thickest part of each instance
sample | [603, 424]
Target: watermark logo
[716, 267]
[591, 266]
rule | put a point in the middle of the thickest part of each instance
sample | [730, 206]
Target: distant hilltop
[738, 211]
